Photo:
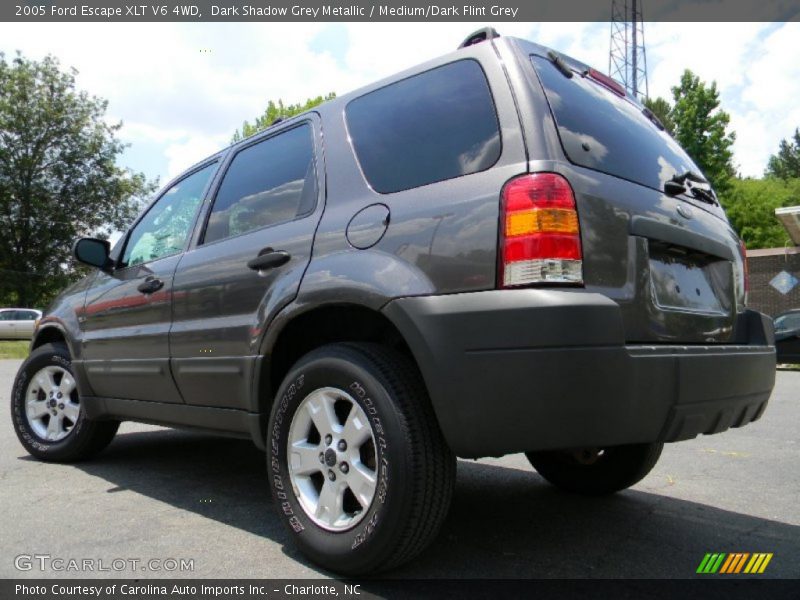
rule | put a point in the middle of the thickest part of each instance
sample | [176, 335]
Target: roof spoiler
[476, 37]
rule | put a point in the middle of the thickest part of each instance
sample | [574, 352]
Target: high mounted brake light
[606, 81]
[540, 238]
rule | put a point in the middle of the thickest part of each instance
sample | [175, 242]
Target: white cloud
[186, 102]
[184, 154]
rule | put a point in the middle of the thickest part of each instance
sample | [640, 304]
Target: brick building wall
[764, 265]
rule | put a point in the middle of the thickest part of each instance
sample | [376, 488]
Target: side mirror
[93, 252]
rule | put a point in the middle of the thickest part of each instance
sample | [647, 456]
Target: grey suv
[497, 251]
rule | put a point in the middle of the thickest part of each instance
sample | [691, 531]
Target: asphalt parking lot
[161, 494]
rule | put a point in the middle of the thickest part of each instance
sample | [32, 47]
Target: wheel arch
[50, 334]
[301, 331]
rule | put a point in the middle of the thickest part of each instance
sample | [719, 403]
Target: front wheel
[596, 471]
[47, 413]
[359, 470]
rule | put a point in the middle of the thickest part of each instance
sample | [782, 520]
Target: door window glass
[167, 225]
[270, 182]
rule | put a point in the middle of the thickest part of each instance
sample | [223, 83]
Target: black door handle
[150, 284]
[268, 259]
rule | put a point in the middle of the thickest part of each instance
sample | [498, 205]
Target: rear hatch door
[654, 236]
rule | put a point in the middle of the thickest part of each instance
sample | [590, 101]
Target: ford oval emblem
[685, 212]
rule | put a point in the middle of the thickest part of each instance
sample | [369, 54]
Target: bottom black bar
[714, 587]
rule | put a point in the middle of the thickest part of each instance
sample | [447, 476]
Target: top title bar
[410, 10]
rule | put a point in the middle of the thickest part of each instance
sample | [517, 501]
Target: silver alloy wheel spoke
[72, 410]
[44, 380]
[356, 428]
[322, 413]
[54, 426]
[51, 403]
[304, 458]
[67, 385]
[361, 481]
[329, 437]
[330, 505]
[36, 409]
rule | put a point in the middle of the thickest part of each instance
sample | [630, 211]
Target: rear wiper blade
[692, 176]
[704, 195]
[682, 184]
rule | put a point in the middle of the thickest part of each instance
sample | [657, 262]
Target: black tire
[415, 469]
[85, 438]
[595, 472]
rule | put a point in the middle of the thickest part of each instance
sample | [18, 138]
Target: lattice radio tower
[627, 61]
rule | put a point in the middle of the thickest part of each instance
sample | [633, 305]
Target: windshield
[601, 130]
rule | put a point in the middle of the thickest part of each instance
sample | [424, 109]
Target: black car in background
[787, 336]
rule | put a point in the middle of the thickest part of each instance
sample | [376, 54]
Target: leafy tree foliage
[750, 205]
[58, 177]
[663, 110]
[786, 163]
[278, 110]
[702, 129]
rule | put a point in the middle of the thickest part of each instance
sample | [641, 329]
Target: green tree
[702, 129]
[278, 110]
[750, 205]
[786, 163]
[663, 110]
[58, 177]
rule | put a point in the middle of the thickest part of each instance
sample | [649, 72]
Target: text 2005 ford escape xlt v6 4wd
[494, 252]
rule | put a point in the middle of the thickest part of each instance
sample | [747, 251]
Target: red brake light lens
[607, 81]
[540, 232]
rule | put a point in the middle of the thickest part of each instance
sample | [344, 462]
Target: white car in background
[18, 323]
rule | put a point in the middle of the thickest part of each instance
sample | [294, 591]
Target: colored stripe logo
[734, 562]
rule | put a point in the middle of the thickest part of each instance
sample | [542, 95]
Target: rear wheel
[359, 470]
[596, 471]
[47, 413]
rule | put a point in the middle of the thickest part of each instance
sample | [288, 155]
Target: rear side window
[605, 132]
[270, 182]
[430, 127]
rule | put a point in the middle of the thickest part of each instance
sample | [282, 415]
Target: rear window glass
[605, 132]
[430, 127]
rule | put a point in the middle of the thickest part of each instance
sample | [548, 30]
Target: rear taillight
[743, 250]
[540, 238]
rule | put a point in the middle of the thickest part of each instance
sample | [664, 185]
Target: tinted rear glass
[621, 141]
[430, 127]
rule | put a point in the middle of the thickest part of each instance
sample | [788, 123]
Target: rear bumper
[521, 370]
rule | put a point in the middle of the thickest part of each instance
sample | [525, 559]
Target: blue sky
[181, 89]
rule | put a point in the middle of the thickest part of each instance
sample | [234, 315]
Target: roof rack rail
[476, 37]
